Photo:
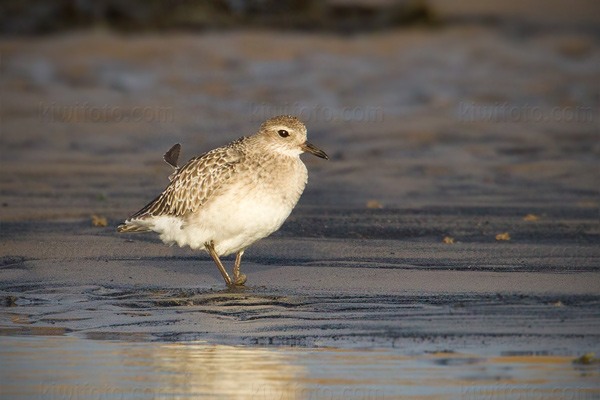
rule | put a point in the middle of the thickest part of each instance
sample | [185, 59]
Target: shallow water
[53, 367]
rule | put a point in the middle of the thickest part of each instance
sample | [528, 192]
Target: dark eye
[283, 133]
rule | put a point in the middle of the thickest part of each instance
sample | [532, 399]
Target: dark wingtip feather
[172, 156]
[131, 228]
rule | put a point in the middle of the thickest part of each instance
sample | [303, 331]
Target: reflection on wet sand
[61, 367]
[54, 367]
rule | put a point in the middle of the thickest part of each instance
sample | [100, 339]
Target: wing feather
[194, 183]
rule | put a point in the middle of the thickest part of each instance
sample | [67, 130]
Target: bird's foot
[240, 279]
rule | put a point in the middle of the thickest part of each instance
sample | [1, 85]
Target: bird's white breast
[251, 205]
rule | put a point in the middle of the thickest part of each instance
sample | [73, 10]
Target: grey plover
[226, 199]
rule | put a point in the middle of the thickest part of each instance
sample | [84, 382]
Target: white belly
[236, 217]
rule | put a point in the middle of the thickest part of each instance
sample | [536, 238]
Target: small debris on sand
[503, 236]
[97, 221]
[448, 239]
[531, 217]
[586, 359]
[374, 204]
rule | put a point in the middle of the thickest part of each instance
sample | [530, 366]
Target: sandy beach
[463, 133]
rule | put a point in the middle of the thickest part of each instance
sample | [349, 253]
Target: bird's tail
[133, 226]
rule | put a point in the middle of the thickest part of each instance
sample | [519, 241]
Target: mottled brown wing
[194, 183]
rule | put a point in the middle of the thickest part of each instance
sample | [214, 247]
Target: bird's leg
[210, 246]
[238, 278]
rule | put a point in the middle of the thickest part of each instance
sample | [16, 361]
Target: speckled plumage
[230, 197]
[192, 184]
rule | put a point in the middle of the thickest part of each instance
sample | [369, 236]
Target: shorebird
[226, 199]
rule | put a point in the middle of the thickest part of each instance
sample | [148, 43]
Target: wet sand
[108, 369]
[416, 294]
[338, 274]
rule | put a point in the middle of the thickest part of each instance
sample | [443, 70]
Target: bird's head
[287, 135]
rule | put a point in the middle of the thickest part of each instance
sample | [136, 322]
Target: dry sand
[337, 273]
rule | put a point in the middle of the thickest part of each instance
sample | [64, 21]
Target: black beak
[310, 148]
